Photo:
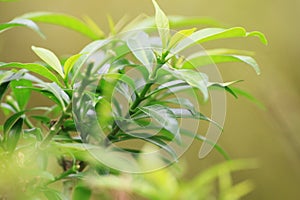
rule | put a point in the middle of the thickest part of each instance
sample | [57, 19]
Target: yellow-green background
[271, 135]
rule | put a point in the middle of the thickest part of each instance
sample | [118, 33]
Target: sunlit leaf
[209, 34]
[13, 134]
[21, 22]
[193, 78]
[70, 63]
[64, 20]
[50, 58]
[162, 24]
[180, 35]
[33, 67]
[141, 49]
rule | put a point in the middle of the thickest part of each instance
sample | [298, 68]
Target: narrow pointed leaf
[141, 49]
[13, 135]
[70, 63]
[21, 22]
[180, 35]
[63, 20]
[50, 58]
[193, 78]
[209, 34]
[162, 24]
[33, 67]
[164, 117]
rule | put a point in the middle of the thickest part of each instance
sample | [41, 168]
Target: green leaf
[70, 63]
[162, 24]
[225, 86]
[121, 77]
[93, 26]
[50, 58]
[21, 95]
[33, 67]
[86, 53]
[164, 117]
[209, 34]
[63, 20]
[3, 88]
[180, 35]
[13, 135]
[203, 139]
[215, 57]
[82, 193]
[141, 49]
[193, 78]
[11, 121]
[21, 22]
[111, 24]
[53, 92]
[240, 92]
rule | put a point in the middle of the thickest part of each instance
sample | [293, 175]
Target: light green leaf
[111, 24]
[162, 24]
[21, 95]
[70, 63]
[82, 193]
[50, 58]
[219, 56]
[33, 67]
[209, 34]
[180, 35]
[193, 78]
[67, 21]
[93, 26]
[21, 22]
[141, 49]
[86, 53]
[164, 117]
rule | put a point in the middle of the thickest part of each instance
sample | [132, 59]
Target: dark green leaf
[21, 95]
[202, 138]
[240, 92]
[11, 121]
[13, 135]
[3, 88]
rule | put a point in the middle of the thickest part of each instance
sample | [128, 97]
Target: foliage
[90, 81]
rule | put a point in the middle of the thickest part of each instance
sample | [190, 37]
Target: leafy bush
[119, 105]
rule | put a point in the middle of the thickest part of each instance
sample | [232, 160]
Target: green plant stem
[54, 130]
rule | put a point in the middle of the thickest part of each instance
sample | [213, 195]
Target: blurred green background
[270, 135]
